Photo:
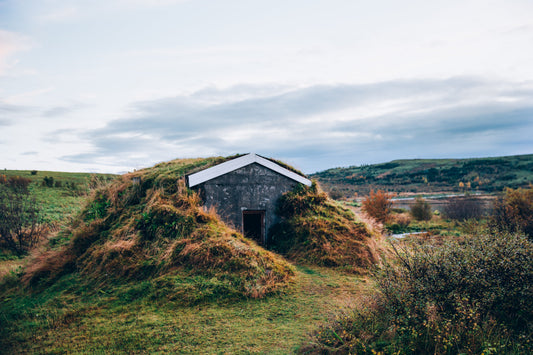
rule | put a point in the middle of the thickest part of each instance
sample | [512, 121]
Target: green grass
[90, 321]
[58, 203]
[79, 178]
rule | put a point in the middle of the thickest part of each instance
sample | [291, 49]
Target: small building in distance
[244, 192]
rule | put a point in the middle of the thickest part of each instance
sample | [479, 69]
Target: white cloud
[11, 43]
[322, 123]
[214, 77]
[60, 14]
[28, 96]
[149, 3]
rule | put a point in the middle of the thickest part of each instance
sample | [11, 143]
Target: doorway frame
[263, 216]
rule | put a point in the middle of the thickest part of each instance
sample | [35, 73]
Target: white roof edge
[237, 163]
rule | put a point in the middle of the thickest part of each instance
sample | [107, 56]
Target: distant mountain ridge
[431, 175]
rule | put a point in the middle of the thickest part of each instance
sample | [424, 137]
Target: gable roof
[237, 163]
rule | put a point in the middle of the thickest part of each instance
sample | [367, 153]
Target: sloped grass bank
[316, 230]
[148, 233]
[85, 321]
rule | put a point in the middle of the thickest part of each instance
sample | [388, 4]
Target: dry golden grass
[8, 266]
[374, 227]
[47, 266]
[316, 230]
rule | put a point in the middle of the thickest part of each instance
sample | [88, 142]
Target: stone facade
[252, 189]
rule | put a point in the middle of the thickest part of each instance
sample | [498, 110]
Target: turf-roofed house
[244, 192]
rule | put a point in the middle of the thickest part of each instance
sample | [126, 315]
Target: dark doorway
[253, 225]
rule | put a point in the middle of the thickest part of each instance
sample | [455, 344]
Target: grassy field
[65, 197]
[88, 321]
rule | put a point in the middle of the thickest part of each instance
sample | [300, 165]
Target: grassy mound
[147, 230]
[314, 229]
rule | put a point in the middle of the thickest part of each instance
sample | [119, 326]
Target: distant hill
[431, 175]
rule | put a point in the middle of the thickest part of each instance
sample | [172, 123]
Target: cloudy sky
[117, 85]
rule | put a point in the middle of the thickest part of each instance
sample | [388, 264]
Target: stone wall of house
[252, 187]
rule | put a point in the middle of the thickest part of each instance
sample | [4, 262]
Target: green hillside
[59, 194]
[431, 175]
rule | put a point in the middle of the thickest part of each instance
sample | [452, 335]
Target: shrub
[463, 208]
[378, 205]
[48, 181]
[16, 183]
[421, 210]
[335, 194]
[19, 227]
[514, 212]
[74, 188]
[472, 296]
[399, 223]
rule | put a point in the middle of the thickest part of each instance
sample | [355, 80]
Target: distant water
[437, 203]
[403, 235]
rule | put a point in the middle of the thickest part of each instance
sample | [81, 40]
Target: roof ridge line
[237, 163]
